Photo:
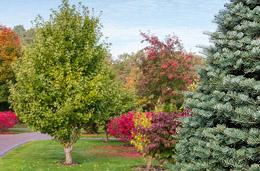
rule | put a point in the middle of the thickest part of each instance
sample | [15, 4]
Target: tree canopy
[223, 133]
[10, 51]
[26, 35]
[58, 78]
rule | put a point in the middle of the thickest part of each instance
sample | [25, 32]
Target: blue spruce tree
[224, 131]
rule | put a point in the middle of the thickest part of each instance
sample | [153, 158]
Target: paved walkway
[8, 142]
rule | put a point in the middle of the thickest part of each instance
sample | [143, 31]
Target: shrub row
[152, 134]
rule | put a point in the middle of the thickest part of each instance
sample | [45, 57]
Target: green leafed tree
[224, 131]
[114, 100]
[57, 79]
[26, 36]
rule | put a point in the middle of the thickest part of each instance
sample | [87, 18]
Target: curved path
[8, 142]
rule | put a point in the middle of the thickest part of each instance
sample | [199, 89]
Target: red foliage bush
[184, 113]
[122, 127]
[160, 139]
[152, 134]
[7, 120]
[163, 126]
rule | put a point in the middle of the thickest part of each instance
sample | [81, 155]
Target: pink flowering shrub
[7, 120]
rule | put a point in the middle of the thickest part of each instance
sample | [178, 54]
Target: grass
[22, 128]
[18, 128]
[99, 135]
[90, 155]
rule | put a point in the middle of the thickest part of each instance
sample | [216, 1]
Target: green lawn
[91, 156]
[18, 128]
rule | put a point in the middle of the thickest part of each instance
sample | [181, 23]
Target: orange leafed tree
[10, 50]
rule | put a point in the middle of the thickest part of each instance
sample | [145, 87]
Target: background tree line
[62, 78]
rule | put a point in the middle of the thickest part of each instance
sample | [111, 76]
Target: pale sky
[123, 20]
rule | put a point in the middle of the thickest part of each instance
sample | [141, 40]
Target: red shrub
[158, 140]
[163, 126]
[184, 113]
[122, 127]
[7, 120]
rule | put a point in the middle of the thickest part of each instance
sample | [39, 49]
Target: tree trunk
[106, 138]
[149, 163]
[68, 157]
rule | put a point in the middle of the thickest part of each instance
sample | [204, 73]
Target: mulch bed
[118, 151]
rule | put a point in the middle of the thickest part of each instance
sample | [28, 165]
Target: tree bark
[106, 138]
[68, 157]
[149, 163]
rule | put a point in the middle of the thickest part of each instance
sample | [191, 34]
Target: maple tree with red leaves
[167, 71]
